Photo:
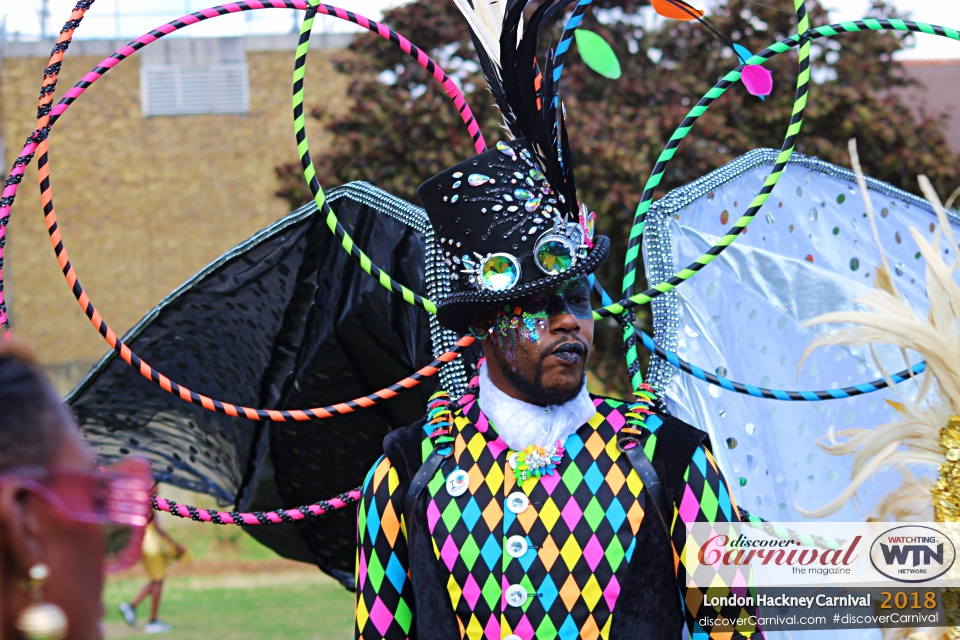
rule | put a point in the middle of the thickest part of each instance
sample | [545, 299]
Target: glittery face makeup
[518, 327]
[540, 344]
[572, 297]
[524, 320]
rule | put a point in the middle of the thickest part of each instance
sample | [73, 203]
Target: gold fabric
[946, 507]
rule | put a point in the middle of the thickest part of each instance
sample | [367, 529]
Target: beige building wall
[142, 203]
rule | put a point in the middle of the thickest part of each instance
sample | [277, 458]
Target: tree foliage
[401, 127]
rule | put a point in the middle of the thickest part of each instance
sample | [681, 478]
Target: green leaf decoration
[597, 54]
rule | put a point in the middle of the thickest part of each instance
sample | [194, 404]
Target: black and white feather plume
[485, 18]
[527, 98]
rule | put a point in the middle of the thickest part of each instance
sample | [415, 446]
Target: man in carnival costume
[530, 508]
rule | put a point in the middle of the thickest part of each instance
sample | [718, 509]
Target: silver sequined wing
[809, 251]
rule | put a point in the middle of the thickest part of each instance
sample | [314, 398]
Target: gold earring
[41, 620]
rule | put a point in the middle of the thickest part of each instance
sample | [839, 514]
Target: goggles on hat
[116, 498]
[555, 252]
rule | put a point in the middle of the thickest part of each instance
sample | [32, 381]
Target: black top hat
[504, 232]
[508, 219]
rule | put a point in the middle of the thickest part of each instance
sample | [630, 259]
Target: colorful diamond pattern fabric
[575, 560]
[384, 592]
[706, 499]
[476, 542]
[580, 526]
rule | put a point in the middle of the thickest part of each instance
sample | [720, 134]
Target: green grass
[236, 589]
[239, 612]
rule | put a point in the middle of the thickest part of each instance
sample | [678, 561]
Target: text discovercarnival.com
[823, 576]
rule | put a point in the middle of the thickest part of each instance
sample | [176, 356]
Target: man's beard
[534, 389]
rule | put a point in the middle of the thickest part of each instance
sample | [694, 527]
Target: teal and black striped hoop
[778, 394]
[674, 359]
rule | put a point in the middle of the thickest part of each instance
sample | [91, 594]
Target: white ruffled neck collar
[520, 423]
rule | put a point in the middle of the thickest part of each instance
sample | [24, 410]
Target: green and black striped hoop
[303, 144]
[789, 144]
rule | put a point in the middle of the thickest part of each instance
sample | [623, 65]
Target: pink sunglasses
[116, 498]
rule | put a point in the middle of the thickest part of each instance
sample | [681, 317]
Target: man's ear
[20, 526]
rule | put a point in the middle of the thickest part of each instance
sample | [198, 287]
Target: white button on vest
[457, 483]
[516, 546]
[516, 595]
[517, 502]
[513, 460]
[513, 636]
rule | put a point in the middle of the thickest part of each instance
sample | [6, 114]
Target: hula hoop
[50, 76]
[870, 24]
[671, 283]
[310, 174]
[241, 518]
[52, 72]
[309, 171]
[778, 394]
[303, 144]
[676, 361]
[165, 383]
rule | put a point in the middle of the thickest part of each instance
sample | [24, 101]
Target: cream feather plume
[913, 440]
[485, 18]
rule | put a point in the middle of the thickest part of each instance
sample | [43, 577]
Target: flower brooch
[535, 461]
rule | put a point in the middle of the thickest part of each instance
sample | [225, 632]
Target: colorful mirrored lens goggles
[554, 253]
[116, 498]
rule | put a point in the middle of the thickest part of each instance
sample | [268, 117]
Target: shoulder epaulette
[640, 410]
[439, 425]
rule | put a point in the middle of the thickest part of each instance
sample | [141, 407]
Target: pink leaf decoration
[757, 80]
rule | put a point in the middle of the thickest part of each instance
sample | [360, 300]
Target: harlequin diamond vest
[590, 564]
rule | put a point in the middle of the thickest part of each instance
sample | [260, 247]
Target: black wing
[286, 320]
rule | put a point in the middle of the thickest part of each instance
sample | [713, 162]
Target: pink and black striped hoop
[249, 518]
